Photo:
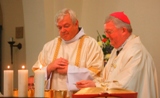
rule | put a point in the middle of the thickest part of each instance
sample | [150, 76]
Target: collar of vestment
[80, 34]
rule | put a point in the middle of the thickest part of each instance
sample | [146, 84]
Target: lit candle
[23, 82]
[8, 82]
[39, 82]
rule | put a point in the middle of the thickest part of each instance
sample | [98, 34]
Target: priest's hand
[63, 66]
[85, 83]
[60, 65]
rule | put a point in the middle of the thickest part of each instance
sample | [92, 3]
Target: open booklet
[99, 90]
[95, 92]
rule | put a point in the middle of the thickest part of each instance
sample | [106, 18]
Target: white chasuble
[132, 69]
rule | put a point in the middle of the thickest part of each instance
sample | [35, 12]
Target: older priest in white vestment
[70, 57]
[130, 65]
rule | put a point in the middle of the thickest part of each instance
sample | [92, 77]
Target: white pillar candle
[8, 82]
[23, 82]
[39, 83]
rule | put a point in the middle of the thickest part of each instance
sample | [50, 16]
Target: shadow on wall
[1, 71]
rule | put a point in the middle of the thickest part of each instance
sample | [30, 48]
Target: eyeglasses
[110, 31]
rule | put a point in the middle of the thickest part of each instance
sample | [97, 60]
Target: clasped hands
[59, 65]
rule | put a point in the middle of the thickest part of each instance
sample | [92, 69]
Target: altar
[90, 92]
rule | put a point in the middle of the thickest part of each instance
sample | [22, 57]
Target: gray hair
[118, 23]
[60, 15]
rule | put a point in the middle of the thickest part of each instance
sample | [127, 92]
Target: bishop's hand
[85, 83]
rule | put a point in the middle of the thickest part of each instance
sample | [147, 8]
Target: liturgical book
[98, 92]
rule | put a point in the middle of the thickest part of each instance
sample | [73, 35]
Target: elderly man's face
[66, 28]
[114, 34]
[31, 83]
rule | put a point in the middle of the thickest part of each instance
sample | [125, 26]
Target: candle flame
[8, 67]
[23, 67]
[40, 67]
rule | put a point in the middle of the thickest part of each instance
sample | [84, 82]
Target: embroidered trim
[79, 50]
[57, 48]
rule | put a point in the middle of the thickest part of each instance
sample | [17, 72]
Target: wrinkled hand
[85, 83]
[60, 65]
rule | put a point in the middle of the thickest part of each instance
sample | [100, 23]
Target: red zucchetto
[121, 16]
